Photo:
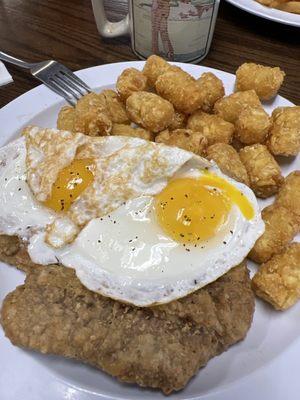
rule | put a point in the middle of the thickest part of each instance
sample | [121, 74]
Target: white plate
[263, 366]
[253, 7]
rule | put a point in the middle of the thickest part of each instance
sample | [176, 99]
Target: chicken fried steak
[159, 347]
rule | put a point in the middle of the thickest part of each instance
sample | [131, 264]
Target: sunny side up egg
[177, 233]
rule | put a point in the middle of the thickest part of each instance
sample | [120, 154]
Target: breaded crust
[185, 139]
[263, 170]
[282, 225]
[228, 161]
[278, 280]
[289, 193]
[13, 252]
[160, 347]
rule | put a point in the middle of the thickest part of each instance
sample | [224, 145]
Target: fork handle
[15, 61]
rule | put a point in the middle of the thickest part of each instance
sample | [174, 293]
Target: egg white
[20, 213]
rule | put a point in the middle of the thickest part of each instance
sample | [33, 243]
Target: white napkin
[5, 76]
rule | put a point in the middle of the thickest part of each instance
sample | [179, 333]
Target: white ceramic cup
[179, 30]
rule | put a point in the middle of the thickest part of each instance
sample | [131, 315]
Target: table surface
[36, 30]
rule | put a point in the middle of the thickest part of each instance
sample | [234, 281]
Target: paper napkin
[5, 76]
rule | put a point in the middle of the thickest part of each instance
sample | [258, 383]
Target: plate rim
[269, 13]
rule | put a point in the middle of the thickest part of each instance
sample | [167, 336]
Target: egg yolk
[70, 183]
[193, 209]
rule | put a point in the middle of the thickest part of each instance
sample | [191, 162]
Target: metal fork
[55, 76]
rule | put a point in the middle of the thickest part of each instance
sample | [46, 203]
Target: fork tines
[62, 80]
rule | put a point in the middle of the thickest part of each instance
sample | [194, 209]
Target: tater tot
[284, 137]
[266, 81]
[115, 108]
[228, 161]
[92, 124]
[230, 107]
[263, 171]
[66, 117]
[185, 139]
[211, 88]
[156, 66]
[289, 193]
[278, 280]
[281, 226]
[91, 101]
[179, 121]
[181, 89]
[289, 6]
[213, 127]
[131, 80]
[277, 111]
[252, 125]
[150, 111]
[127, 130]
[89, 116]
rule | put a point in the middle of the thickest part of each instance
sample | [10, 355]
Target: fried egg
[100, 173]
[145, 224]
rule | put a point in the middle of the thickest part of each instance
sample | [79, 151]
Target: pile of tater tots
[163, 103]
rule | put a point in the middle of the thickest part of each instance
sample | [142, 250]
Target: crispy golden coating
[185, 139]
[92, 123]
[289, 193]
[150, 111]
[288, 6]
[263, 171]
[160, 347]
[90, 116]
[66, 117]
[230, 107]
[91, 101]
[252, 125]
[211, 88]
[179, 121]
[213, 127]
[181, 89]
[130, 81]
[228, 161]
[127, 130]
[281, 227]
[278, 280]
[284, 138]
[116, 109]
[278, 111]
[266, 81]
[284, 5]
[156, 66]
[14, 252]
